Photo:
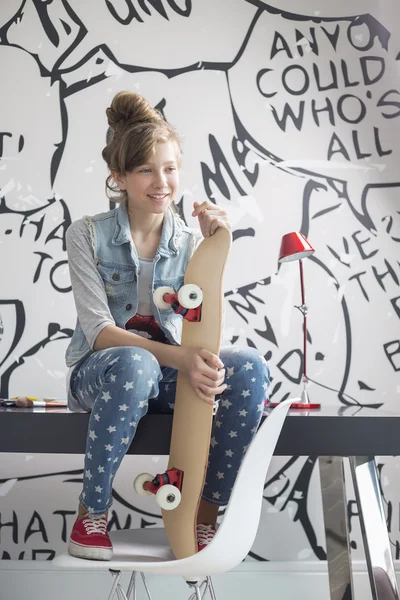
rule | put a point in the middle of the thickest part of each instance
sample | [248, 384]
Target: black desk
[331, 434]
[330, 431]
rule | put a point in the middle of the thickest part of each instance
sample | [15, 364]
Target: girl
[124, 355]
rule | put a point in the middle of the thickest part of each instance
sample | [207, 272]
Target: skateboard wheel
[139, 481]
[190, 296]
[159, 294]
[168, 497]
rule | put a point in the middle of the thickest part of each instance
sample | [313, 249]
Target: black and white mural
[291, 121]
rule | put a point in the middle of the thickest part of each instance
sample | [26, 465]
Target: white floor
[38, 580]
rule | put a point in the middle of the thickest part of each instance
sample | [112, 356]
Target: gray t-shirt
[143, 322]
[87, 284]
[146, 272]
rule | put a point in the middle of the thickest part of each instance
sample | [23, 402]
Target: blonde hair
[135, 127]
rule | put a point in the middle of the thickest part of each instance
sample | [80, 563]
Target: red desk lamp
[295, 246]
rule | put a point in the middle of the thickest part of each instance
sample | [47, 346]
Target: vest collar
[171, 233]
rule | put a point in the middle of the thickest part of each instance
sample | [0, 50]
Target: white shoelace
[205, 534]
[95, 524]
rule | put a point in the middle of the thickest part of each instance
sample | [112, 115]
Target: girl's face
[152, 187]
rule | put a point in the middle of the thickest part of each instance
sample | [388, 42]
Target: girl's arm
[92, 307]
[166, 354]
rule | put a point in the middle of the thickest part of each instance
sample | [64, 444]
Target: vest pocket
[118, 281]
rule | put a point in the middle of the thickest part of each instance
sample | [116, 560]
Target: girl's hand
[201, 367]
[210, 217]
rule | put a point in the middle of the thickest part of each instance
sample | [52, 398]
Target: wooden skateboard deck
[192, 421]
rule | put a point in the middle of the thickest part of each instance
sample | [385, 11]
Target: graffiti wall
[290, 119]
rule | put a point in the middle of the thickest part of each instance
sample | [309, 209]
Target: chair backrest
[238, 529]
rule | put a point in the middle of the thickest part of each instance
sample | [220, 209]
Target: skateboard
[200, 302]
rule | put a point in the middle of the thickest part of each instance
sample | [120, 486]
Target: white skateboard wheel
[168, 497]
[158, 296]
[139, 481]
[190, 296]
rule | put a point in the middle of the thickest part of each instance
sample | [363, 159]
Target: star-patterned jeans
[118, 386]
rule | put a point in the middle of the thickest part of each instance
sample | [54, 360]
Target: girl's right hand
[201, 367]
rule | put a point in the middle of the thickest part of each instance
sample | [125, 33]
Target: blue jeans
[120, 385]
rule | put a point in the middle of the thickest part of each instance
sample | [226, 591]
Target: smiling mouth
[157, 196]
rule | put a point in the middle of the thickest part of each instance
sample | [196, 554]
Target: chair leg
[116, 587]
[197, 593]
[131, 591]
[201, 589]
[145, 586]
[117, 590]
[211, 588]
[121, 594]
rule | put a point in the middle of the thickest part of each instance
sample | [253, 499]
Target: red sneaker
[205, 534]
[89, 538]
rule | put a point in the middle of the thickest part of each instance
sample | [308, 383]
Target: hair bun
[130, 108]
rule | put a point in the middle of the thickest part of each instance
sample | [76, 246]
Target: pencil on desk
[31, 402]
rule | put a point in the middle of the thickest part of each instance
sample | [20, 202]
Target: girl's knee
[247, 359]
[126, 352]
[131, 359]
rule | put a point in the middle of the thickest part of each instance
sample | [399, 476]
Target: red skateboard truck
[166, 487]
[186, 302]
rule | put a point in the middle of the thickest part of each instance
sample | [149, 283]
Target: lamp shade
[294, 246]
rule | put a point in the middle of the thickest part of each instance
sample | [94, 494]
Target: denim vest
[117, 261]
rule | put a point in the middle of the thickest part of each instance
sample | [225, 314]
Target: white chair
[147, 550]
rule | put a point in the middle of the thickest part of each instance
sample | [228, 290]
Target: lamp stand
[304, 395]
[305, 401]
